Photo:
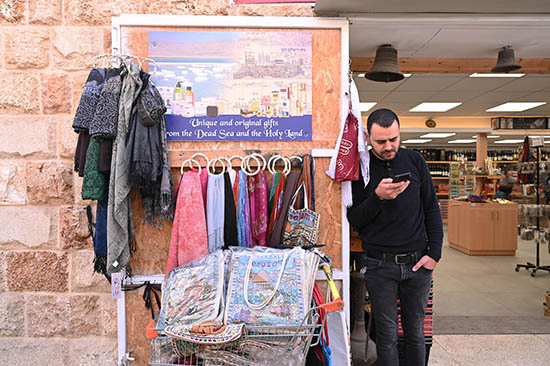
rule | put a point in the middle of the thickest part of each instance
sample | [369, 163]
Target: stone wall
[53, 309]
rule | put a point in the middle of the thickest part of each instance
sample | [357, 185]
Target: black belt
[404, 258]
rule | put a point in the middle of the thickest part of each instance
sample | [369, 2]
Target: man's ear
[367, 137]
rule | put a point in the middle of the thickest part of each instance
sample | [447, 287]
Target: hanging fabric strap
[277, 284]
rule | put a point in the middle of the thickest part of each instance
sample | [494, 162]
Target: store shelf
[506, 162]
[441, 194]
[440, 177]
[484, 176]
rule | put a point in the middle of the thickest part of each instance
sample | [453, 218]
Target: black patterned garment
[88, 101]
[104, 124]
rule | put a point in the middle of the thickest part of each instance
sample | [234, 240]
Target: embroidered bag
[268, 286]
[302, 226]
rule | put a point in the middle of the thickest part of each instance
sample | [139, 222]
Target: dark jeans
[386, 282]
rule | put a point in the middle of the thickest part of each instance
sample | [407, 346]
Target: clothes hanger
[262, 167]
[245, 162]
[191, 161]
[212, 163]
[201, 155]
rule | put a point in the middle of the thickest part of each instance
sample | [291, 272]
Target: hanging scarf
[257, 187]
[106, 116]
[189, 240]
[100, 235]
[291, 183]
[119, 218]
[274, 184]
[243, 209]
[277, 201]
[230, 214]
[93, 184]
[236, 193]
[204, 176]
[364, 157]
[89, 99]
[81, 151]
[215, 203]
[347, 160]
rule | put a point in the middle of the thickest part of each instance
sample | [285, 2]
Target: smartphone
[401, 177]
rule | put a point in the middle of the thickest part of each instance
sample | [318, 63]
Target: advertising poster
[234, 86]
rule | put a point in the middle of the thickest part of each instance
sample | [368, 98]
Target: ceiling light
[461, 141]
[434, 107]
[493, 136]
[438, 135]
[508, 141]
[515, 106]
[416, 141]
[361, 75]
[365, 106]
[483, 75]
[506, 61]
[474, 136]
[407, 75]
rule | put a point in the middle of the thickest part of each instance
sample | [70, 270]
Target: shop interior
[476, 290]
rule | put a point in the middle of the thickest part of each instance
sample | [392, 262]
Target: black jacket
[411, 221]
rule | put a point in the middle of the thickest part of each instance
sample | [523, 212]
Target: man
[506, 185]
[401, 230]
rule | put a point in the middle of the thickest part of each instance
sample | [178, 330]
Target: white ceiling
[449, 29]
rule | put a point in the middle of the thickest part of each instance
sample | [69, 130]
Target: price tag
[116, 284]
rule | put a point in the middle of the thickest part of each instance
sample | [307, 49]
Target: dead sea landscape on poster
[234, 85]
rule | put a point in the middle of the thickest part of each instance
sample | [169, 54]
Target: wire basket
[260, 345]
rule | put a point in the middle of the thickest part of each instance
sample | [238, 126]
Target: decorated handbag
[268, 286]
[302, 226]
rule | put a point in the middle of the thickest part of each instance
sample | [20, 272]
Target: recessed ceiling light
[407, 75]
[474, 136]
[437, 135]
[461, 141]
[515, 106]
[508, 141]
[361, 75]
[365, 106]
[495, 75]
[434, 107]
[493, 136]
[416, 141]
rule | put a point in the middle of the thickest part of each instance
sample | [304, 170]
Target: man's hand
[387, 190]
[426, 262]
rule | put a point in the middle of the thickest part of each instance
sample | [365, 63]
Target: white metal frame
[240, 22]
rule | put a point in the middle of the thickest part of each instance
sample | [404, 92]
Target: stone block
[48, 316]
[83, 277]
[19, 92]
[109, 316]
[74, 47]
[273, 10]
[49, 182]
[56, 93]
[27, 137]
[27, 227]
[29, 48]
[13, 190]
[12, 316]
[91, 12]
[29, 351]
[213, 7]
[12, 11]
[91, 351]
[46, 12]
[37, 271]
[66, 144]
[84, 316]
[73, 228]
[3, 277]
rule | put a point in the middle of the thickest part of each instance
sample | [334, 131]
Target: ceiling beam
[418, 65]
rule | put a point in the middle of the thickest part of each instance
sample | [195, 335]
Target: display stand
[536, 267]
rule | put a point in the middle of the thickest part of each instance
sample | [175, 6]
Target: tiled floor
[484, 294]
[486, 314]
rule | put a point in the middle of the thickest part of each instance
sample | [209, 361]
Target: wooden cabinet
[483, 228]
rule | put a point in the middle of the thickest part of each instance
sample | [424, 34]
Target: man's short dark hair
[383, 117]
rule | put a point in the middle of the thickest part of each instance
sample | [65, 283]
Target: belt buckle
[397, 256]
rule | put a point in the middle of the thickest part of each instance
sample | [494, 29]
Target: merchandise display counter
[483, 228]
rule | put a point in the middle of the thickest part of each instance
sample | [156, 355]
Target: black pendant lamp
[385, 67]
[506, 61]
